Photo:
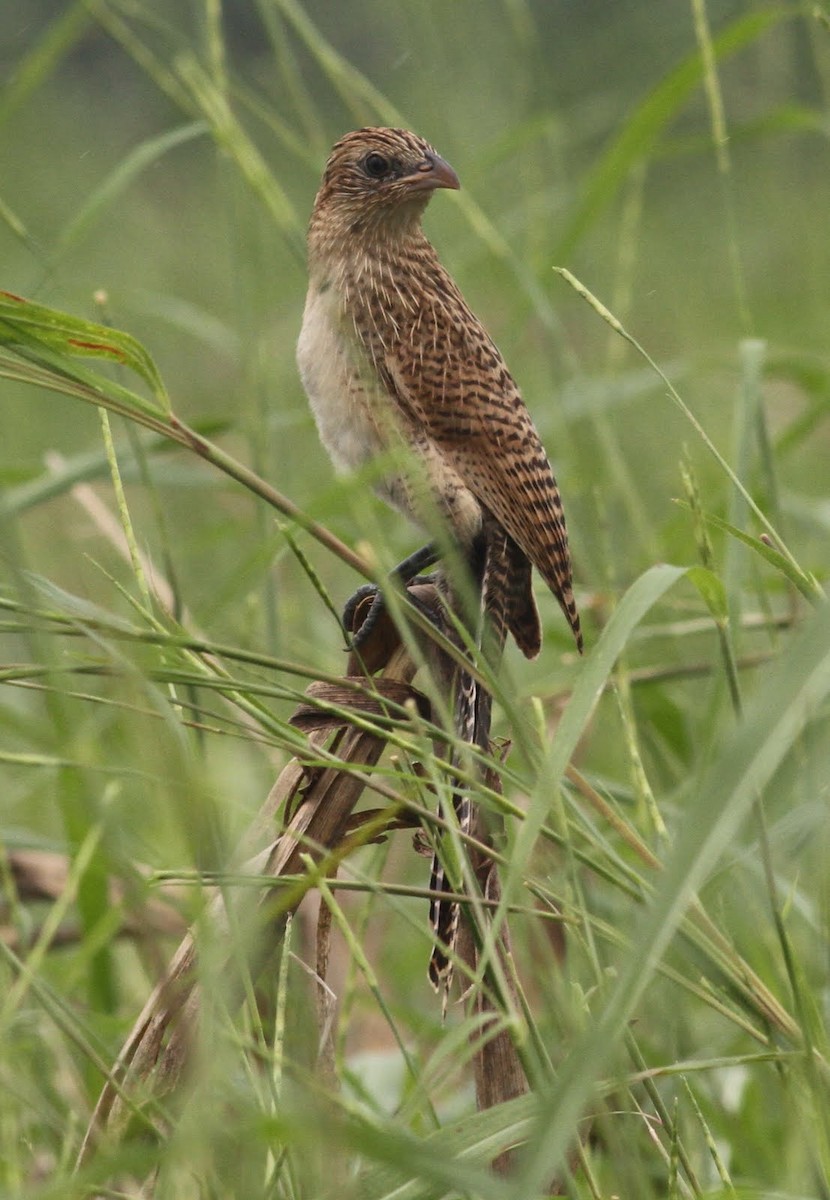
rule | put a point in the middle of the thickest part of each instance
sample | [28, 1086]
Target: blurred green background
[582, 135]
[158, 162]
[526, 100]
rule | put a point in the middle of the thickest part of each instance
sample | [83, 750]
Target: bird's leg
[406, 572]
[473, 705]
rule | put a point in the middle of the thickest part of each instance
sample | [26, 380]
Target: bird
[399, 372]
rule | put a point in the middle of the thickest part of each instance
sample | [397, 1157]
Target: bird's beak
[432, 173]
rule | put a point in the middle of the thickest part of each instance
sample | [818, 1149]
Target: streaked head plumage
[377, 176]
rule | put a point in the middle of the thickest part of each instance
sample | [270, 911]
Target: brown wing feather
[447, 378]
[464, 395]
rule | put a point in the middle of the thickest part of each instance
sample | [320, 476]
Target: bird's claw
[406, 573]
[359, 635]
[353, 604]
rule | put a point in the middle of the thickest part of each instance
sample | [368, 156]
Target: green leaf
[640, 133]
[712, 590]
[30, 70]
[33, 330]
[143, 156]
[792, 691]
[643, 594]
[806, 583]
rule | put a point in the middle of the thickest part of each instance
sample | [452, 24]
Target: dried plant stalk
[499, 1072]
[44, 875]
[154, 1058]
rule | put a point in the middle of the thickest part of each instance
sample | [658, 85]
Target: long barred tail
[473, 708]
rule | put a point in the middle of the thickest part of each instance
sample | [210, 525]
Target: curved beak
[433, 172]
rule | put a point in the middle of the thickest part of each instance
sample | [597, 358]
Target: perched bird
[397, 367]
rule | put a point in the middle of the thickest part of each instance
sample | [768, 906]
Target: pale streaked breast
[336, 376]
[357, 420]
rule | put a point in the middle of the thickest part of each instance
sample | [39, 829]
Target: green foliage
[170, 585]
[48, 337]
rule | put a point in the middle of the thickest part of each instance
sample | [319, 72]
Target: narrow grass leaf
[640, 134]
[30, 329]
[237, 143]
[813, 591]
[643, 594]
[711, 590]
[806, 583]
[143, 156]
[750, 755]
[34, 68]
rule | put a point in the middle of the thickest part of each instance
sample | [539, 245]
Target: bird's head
[378, 181]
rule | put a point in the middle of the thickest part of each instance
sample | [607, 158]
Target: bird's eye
[376, 165]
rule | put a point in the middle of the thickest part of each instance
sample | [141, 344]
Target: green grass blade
[747, 761]
[41, 61]
[641, 132]
[42, 333]
[144, 156]
[807, 584]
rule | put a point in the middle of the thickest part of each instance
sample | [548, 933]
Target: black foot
[350, 611]
[407, 572]
[359, 636]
